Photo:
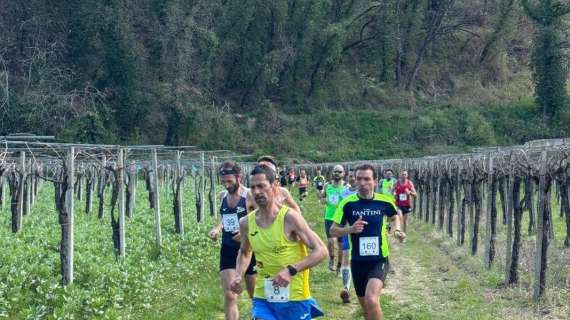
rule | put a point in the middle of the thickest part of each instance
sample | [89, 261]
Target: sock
[346, 275]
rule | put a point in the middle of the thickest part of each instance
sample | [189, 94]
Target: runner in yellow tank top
[274, 250]
[280, 238]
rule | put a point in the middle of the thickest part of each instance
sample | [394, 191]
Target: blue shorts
[345, 243]
[294, 310]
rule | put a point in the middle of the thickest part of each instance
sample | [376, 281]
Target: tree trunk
[477, 199]
[529, 203]
[502, 196]
[451, 208]
[442, 202]
[464, 207]
[517, 216]
[565, 199]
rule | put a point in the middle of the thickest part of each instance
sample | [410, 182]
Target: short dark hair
[268, 159]
[368, 166]
[229, 167]
[268, 172]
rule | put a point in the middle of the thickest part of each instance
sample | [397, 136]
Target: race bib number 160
[369, 246]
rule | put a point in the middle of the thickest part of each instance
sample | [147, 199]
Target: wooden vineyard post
[156, 199]
[458, 202]
[517, 215]
[420, 209]
[509, 216]
[101, 188]
[20, 206]
[436, 195]
[178, 213]
[471, 202]
[541, 236]
[28, 190]
[79, 182]
[121, 178]
[3, 188]
[489, 236]
[202, 186]
[68, 270]
[427, 193]
[31, 193]
[448, 198]
[135, 173]
[132, 186]
[213, 185]
[90, 179]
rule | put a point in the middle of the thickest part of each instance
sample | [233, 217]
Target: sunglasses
[338, 171]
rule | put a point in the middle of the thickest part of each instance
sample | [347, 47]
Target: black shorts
[302, 191]
[228, 256]
[319, 187]
[362, 271]
[328, 225]
[405, 210]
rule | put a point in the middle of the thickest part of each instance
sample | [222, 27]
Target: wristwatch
[292, 270]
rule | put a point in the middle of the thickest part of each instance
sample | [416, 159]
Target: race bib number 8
[403, 197]
[230, 222]
[275, 293]
[369, 246]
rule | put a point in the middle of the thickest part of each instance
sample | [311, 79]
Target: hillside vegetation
[304, 79]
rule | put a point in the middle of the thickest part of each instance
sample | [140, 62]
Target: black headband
[227, 171]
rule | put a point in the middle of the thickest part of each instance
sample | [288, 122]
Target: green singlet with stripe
[333, 194]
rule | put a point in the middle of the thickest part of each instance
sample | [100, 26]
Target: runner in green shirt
[331, 198]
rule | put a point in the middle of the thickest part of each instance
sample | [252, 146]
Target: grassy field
[433, 278]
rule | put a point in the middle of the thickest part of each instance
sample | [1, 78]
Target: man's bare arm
[288, 200]
[244, 255]
[308, 237]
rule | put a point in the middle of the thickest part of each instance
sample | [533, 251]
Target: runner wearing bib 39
[404, 190]
[279, 237]
[233, 207]
[364, 213]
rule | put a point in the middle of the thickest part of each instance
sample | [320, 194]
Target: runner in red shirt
[404, 190]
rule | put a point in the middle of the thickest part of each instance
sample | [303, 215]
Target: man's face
[365, 181]
[261, 189]
[403, 176]
[338, 174]
[389, 174]
[318, 172]
[352, 180]
[230, 182]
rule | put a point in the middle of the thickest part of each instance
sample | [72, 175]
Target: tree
[550, 73]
